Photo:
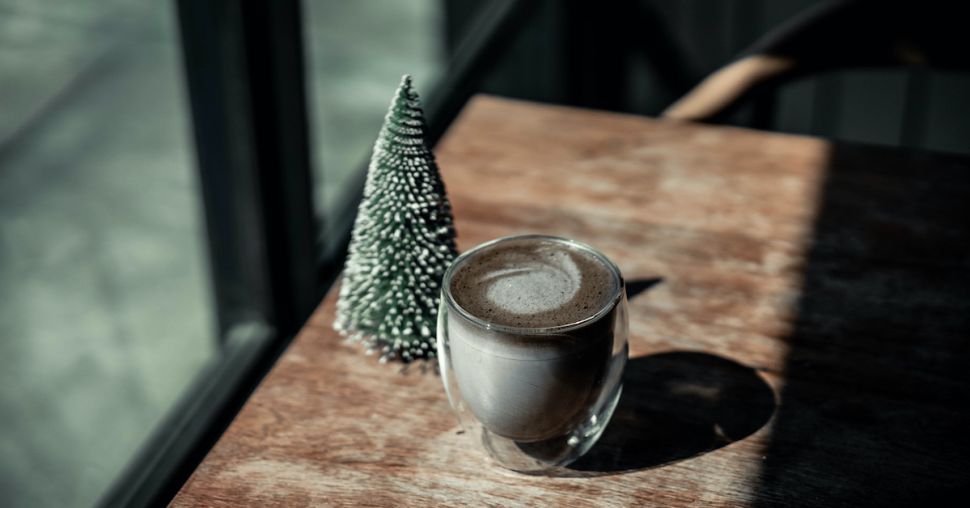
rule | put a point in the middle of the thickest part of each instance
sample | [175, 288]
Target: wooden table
[799, 317]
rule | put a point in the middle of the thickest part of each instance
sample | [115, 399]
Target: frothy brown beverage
[534, 283]
[534, 349]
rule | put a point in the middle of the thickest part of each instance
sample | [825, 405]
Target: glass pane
[105, 312]
[356, 55]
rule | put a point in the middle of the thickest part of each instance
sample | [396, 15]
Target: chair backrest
[901, 106]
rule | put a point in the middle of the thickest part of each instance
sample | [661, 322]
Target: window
[356, 53]
[105, 306]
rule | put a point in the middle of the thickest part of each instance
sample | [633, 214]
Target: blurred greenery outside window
[105, 307]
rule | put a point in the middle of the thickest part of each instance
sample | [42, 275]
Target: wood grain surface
[800, 321]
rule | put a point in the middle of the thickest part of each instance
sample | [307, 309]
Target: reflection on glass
[105, 312]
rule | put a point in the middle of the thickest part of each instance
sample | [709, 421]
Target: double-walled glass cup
[536, 398]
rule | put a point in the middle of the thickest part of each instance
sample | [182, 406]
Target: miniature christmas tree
[402, 242]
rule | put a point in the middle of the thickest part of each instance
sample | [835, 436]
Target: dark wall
[639, 56]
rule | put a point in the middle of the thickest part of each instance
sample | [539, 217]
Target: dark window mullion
[244, 74]
[244, 65]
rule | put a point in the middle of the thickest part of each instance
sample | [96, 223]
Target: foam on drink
[534, 284]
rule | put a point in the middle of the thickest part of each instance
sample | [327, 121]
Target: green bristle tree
[402, 243]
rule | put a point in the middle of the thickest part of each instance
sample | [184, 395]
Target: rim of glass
[525, 330]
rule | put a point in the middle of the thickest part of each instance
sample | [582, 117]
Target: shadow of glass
[674, 406]
[636, 286]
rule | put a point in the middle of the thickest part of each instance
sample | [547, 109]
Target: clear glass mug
[536, 398]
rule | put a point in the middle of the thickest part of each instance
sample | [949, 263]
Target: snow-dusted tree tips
[402, 242]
